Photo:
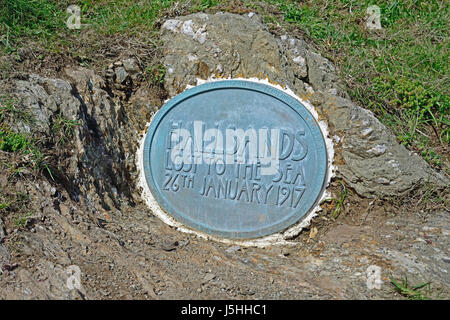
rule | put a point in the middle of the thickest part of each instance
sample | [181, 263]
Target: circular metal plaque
[235, 159]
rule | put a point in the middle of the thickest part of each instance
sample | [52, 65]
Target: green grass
[413, 292]
[4, 205]
[21, 222]
[20, 143]
[23, 144]
[14, 206]
[9, 111]
[156, 74]
[45, 20]
[122, 15]
[416, 108]
[28, 18]
[204, 4]
[12, 142]
[339, 202]
[64, 129]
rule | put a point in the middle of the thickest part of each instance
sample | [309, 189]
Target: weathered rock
[121, 75]
[43, 98]
[130, 65]
[369, 158]
[232, 46]
[374, 164]
[105, 141]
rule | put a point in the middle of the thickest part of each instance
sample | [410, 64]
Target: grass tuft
[64, 129]
[414, 292]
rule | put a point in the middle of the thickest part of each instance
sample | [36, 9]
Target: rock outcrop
[101, 168]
